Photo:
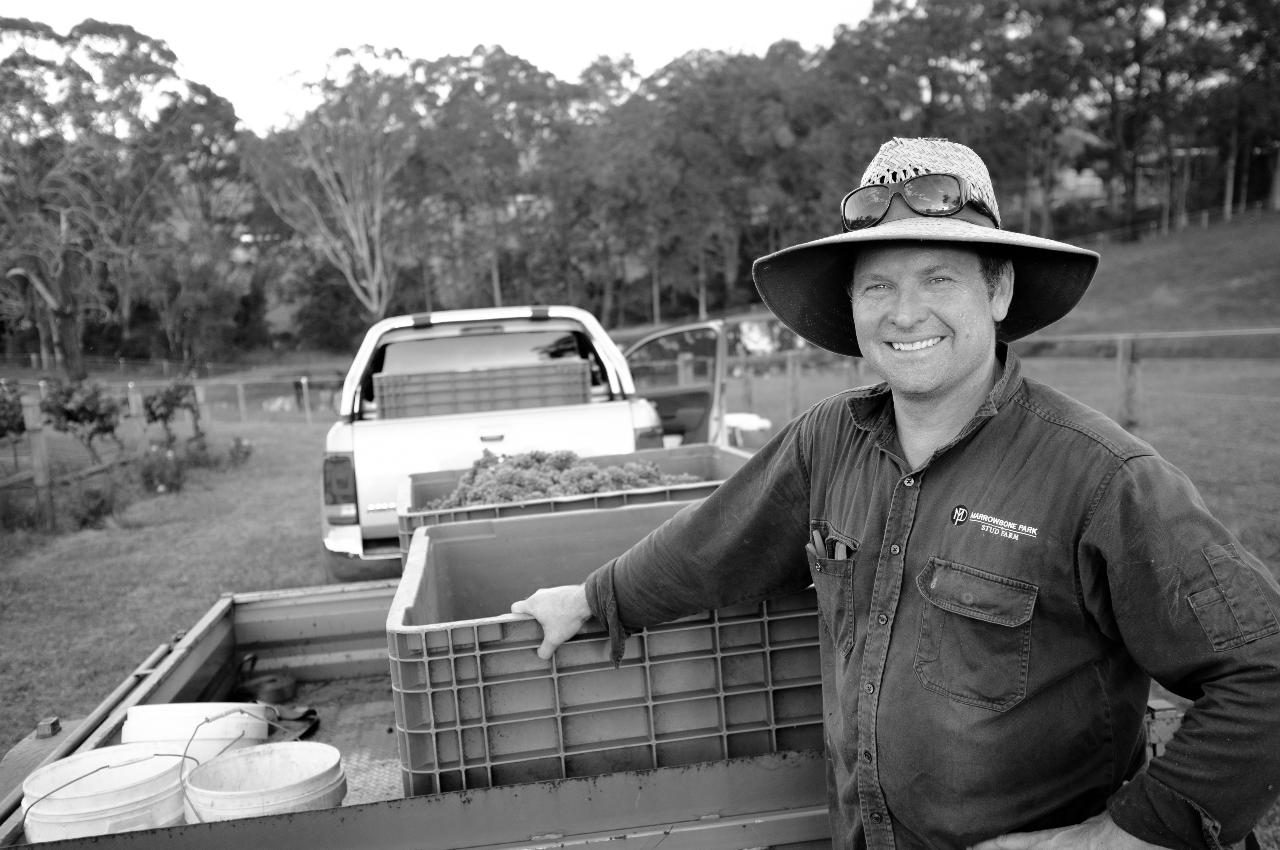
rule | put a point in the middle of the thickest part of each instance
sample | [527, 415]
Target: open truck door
[682, 371]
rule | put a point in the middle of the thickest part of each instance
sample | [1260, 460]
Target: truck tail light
[340, 489]
[649, 437]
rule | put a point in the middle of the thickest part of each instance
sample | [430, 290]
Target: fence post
[244, 412]
[202, 412]
[793, 384]
[748, 389]
[306, 397]
[41, 475]
[1127, 372]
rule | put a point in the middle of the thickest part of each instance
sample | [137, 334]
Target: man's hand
[560, 611]
[1097, 833]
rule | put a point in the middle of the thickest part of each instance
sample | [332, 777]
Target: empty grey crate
[476, 708]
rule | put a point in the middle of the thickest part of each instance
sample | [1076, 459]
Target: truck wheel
[341, 568]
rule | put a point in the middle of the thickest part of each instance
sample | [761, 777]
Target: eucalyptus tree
[71, 105]
[333, 176]
[496, 120]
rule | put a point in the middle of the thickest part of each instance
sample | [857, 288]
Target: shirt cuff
[1154, 812]
[604, 607]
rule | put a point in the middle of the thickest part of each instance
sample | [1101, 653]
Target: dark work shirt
[989, 637]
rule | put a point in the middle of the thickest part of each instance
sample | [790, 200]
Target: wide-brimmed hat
[806, 286]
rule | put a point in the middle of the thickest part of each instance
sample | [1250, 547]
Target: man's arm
[745, 541]
[1201, 615]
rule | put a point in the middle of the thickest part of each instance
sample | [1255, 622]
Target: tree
[332, 178]
[70, 104]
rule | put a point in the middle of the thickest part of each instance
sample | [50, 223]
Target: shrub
[86, 411]
[12, 423]
[162, 405]
[161, 470]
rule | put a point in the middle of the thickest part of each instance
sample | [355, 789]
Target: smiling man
[1001, 571]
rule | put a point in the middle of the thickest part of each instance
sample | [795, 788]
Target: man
[1000, 571]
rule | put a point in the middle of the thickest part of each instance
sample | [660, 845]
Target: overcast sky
[257, 54]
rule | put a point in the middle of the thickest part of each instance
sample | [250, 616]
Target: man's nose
[908, 307]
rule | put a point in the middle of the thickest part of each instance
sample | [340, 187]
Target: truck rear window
[482, 351]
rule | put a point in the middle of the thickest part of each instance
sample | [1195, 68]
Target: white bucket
[269, 779]
[168, 727]
[110, 789]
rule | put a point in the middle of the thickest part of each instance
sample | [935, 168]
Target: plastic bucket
[269, 779]
[110, 789]
[168, 727]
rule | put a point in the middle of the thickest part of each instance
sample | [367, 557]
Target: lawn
[78, 612]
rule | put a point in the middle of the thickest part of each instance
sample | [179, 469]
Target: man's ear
[1003, 294]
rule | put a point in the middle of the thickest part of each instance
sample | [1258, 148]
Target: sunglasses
[926, 194]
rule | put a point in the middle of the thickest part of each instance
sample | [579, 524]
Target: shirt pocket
[1233, 611]
[833, 586]
[975, 634]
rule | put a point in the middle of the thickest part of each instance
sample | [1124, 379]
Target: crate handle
[492, 438]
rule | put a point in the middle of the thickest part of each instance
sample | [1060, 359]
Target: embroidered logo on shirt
[993, 524]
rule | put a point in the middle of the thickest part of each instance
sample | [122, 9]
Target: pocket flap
[976, 593]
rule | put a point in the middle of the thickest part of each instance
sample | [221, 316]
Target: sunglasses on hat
[926, 194]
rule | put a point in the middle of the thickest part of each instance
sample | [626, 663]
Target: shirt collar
[872, 405]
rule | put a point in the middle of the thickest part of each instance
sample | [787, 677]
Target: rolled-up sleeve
[1198, 613]
[743, 542]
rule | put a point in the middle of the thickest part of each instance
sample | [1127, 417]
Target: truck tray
[476, 707]
[710, 464]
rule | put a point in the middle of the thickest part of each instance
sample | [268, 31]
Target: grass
[79, 611]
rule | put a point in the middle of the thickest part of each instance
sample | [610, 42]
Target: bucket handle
[133, 760]
[182, 776]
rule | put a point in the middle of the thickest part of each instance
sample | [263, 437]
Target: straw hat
[806, 286]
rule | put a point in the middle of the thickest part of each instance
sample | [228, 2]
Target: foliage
[135, 214]
[161, 470]
[539, 474]
[12, 421]
[163, 404]
[85, 410]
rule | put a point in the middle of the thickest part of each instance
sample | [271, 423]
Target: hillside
[1223, 276]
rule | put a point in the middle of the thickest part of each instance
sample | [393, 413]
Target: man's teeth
[916, 346]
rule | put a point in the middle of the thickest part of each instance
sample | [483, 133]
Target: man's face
[924, 319]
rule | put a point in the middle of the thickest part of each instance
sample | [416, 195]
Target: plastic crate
[710, 464]
[475, 707]
[438, 393]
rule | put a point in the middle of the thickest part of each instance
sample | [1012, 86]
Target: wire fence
[1212, 416]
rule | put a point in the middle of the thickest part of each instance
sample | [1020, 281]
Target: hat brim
[806, 286]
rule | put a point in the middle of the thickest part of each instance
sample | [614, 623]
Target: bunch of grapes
[544, 475]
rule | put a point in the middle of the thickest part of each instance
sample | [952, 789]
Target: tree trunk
[1275, 182]
[428, 297]
[1184, 187]
[1229, 180]
[656, 288]
[702, 286]
[1246, 150]
[495, 272]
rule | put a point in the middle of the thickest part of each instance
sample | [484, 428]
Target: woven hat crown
[900, 159]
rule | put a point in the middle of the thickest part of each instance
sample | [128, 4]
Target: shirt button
[909, 481]
[882, 619]
[895, 549]
[869, 688]
[876, 817]
[866, 756]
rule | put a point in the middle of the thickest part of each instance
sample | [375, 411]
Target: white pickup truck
[431, 391]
